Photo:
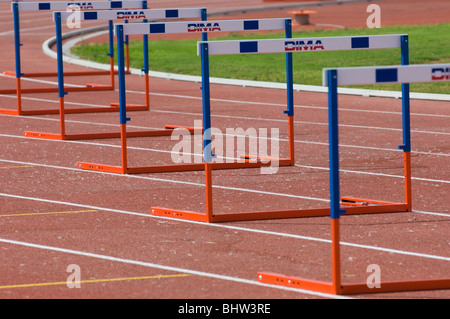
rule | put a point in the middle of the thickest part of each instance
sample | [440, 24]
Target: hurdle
[359, 206]
[179, 27]
[59, 6]
[357, 76]
[145, 14]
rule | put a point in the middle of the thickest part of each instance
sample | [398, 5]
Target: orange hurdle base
[336, 286]
[360, 207]
[88, 87]
[55, 74]
[133, 107]
[90, 136]
[173, 168]
[353, 289]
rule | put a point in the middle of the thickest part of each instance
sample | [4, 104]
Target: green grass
[427, 43]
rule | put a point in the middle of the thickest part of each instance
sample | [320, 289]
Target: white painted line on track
[177, 182]
[201, 155]
[280, 139]
[323, 108]
[184, 182]
[258, 231]
[168, 268]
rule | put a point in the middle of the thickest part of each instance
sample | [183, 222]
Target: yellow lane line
[93, 281]
[50, 213]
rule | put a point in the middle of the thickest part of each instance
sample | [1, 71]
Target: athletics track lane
[191, 246]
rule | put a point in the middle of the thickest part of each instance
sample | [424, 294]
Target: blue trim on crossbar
[44, 6]
[172, 13]
[158, 28]
[251, 25]
[248, 47]
[386, 75]
[360, 43]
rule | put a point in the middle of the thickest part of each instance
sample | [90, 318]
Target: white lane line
[186, 183]
[180, 182]
[280, 139]
[167, 268]
[303, 122]
[323, 108]
[201, 155]
[309, 238]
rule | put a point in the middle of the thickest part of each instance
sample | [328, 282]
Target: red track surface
[53, 215]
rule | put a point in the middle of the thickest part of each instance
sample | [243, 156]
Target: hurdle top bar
[390, 74]
[302, 44]
[87, 5]
[149, 14]
[204, 26]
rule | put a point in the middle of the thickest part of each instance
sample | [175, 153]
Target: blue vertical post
[289, 73]
[145, 45]
[333, 129]
[204, 17]
[126, 42]
[206, 103]
[146, 67]
[406, 147]
[59, 54]
[17, 43]
[111, 39]
[121, 75]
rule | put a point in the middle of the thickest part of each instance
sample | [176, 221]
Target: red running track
[53, 215]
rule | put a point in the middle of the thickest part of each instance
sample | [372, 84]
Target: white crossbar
[302, 44]
[84, 5]
[391, 74]
[204, 26]
[149, 14]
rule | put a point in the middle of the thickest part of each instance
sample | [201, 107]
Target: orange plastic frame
[125, 169]
[353, 205]
[114, 108]
[338, 288]
[19, 91]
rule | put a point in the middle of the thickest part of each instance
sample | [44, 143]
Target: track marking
[323, 108]
[44, 284]
[218, 116]
[19, 166]
[167, 268]
[27, 30]
[50, 213]
[304, 122]
[154, 150]
[201, 185]
[201, 155]
[257, 231]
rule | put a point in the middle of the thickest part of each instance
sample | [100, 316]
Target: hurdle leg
[208, 192]
[291, 140]
[147, 91]
[111, 63]
[408, 191]
[123, 145]
[19, 95]
[62, 122]
[127, 59]
[335, 255]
